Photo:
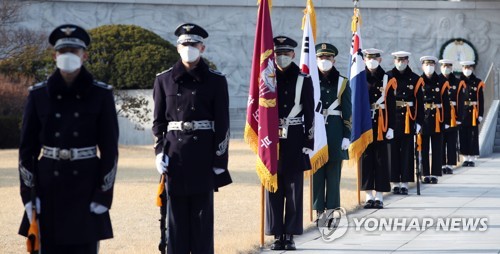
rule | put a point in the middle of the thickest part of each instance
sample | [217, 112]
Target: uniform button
[433, 115]
[56, 173]
[75, 134]
[57, 134]
[178, 109]
[403, 113]
[75, 172]
[286, 92]
[425, 96]
[58, 115]
[327, 91]
[195, 137]
[404, 93]
[59, 97]
[179, 94]
[327, 102]
[192, 108]
[180, 139]
[284, 106]
[78, 96]
[76, 114]
[193, 92]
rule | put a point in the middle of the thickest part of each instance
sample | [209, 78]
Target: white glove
[219, 171]
[29, 209]
[418, 128]
[161, 165]
[446, 126]
[459, 123]
[306, 150]
[97, 208]
[389, 134]
[345, 143]
[480, 119]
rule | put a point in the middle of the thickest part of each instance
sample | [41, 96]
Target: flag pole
[261, 216]
[358, 163]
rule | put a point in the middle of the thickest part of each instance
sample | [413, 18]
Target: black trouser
[191, 224]
[402, 159]
[375, 167]
[469, 140]
[436, 140]
[284, 207]
[86, 248]
[450, 146]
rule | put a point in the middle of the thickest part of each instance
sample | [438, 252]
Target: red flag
[261, 129]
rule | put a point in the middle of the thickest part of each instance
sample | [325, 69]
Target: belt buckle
[64, 154]
[187, 126]
[283, 132]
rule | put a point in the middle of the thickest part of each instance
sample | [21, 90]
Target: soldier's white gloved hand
[161, 165]
[29, 208]
[345, 143]
[389, 134]
[459, 123]
[480, 119]
[418, 128]
[218, 171]
[306, 150]
[446, 126]
[97, 208]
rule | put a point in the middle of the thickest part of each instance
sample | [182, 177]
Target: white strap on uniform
[336, 103]
[384, 85]
[297, 107]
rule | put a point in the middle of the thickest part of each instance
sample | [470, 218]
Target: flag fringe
[357, 148]
[269, 181]
[318, 160]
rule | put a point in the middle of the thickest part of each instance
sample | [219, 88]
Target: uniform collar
[198, 73]
[289, 72]
[406, 72]
[433, 78]
[81, 85]
[333, 76]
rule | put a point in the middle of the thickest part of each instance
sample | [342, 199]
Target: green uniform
[338, 126]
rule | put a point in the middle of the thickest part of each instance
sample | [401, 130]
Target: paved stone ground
[470, 193]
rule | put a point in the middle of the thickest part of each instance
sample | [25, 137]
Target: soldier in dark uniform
[375, 167]
[337, 109]
[69, 119]
[408, 114]
[473, 101]
[436, 116]
[284, 207]
[450, 135]
[191, 126]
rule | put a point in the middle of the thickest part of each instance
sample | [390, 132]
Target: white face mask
[283, 61]
[446, 70]
[467, 72]
[325, 65]
[189, 54]
[372, 64]
[401, 66]
[68, 62]
[428, 69]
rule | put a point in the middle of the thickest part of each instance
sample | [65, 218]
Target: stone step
[496, 149]
[497, 141]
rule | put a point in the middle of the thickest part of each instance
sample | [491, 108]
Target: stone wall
[420, 27]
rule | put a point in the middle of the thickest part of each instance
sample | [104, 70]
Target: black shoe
[472, 164]
[289, 243]
[449, 171]
[318, 215]
[426, 179]
[378, 204]
[434, 180]
[369, 204]
[403, 191]
[445, 170]
[396, 190]
[465, 164]
[278, 243]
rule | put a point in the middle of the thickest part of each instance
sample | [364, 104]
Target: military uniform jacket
[198, 95]
[59, 116]
[453, 95]
[472, 93]
[407, 91]
[337, 127]
[435, 93]
[375, 91]
[291, 157]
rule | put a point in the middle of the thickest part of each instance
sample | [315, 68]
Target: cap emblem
[188, 27]
[68, 30]
[281, 39]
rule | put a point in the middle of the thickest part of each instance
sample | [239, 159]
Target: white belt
[71, 154]
[377, 106]
[286, 121]
[190, 126]
[432, 105]
[331, 112]
[453, 103]
[404, 103]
